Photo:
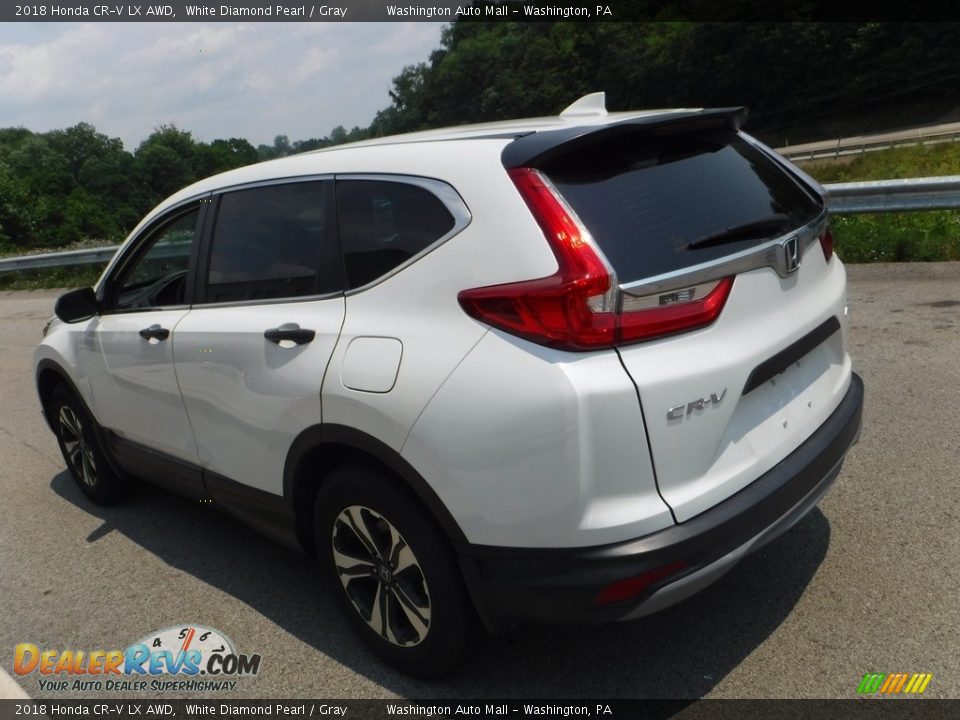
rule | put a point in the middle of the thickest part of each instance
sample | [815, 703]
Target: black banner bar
[474, 10]
[857, 709]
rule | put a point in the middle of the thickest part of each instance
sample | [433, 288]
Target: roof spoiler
[540, 147]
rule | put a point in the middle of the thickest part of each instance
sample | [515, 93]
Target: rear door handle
[289, 331]
[155, 332]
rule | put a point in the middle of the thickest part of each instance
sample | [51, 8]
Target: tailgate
[711, 433]
[675, 209]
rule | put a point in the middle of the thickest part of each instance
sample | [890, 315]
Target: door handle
[289, 331]
[155, 332]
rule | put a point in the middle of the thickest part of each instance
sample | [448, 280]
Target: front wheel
[77, 437]
[393, 572]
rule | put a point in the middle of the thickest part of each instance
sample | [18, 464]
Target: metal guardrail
[878, 196]
[874, 196]
[71, 258]
[930, 135]
[58, 259]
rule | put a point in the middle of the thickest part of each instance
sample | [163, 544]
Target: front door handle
[155, 332]
[289, 331]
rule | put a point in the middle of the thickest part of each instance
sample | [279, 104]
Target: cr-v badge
[678, 411]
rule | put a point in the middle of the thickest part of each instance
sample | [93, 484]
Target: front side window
[158, 277]
[385, 223]
[271, 242]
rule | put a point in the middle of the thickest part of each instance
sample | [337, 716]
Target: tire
[79, 443]
[393, 573]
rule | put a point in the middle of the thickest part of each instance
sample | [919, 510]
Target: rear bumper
[559, 584]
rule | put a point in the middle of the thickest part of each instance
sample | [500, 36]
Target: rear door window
[385, 223]
[656, 203]
[273, 242]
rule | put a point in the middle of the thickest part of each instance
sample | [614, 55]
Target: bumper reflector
[633, 586]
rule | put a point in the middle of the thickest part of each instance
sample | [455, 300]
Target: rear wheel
[393, 572]
[77, 437]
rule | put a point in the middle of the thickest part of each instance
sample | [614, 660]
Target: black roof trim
[540, 147]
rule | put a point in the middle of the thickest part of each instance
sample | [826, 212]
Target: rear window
[658, 203]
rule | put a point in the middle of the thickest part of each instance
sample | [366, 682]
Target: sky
[217, 80]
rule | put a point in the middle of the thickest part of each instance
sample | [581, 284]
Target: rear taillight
[571, 309]
[579, 306]
[826, 244]
[647, 317]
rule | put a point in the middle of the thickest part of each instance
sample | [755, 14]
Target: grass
[898, 237]
[932, 235]
[899, 162]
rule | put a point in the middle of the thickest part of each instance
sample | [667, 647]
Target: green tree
[222, 155]
[166, 162]
[16, 222]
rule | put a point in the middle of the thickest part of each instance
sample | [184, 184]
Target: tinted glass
[269, 242]
[159, 277]
[384, 224]
[646, 198]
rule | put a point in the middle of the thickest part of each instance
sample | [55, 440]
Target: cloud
[252, 80]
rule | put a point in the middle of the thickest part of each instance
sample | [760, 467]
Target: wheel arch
[320, 448]
[49, 375]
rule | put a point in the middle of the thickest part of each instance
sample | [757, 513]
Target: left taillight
[826, 244]
[580, 307]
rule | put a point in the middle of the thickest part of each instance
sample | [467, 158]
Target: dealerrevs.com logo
[183, 658]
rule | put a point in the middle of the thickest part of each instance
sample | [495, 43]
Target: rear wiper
[762, 228]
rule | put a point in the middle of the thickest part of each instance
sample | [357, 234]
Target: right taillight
[642, 318]
[580, 307]
[826, 244]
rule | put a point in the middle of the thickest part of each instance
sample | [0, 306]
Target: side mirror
[76, 305]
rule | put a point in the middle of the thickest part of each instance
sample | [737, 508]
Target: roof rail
[592, 105]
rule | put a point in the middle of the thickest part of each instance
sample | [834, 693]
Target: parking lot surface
[868, 582]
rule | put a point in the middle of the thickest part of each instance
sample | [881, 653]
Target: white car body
[510, 444]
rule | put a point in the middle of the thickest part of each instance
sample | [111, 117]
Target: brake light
[631, 587]
[826, 244]
[578, 307]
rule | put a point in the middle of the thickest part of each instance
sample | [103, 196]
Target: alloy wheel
[381, 576]
[78, 451]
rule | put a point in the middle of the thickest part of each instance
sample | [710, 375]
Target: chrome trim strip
[271, 181]
[768, 254]
[338, 294]
[632, 303]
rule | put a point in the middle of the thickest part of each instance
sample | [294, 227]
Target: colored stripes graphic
[894, 683]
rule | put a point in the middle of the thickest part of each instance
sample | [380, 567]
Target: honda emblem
[791, 254]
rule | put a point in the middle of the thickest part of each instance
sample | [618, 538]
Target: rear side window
[385, 223]
[272, 242]
[659, 203]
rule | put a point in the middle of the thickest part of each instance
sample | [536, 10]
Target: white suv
[563, 369]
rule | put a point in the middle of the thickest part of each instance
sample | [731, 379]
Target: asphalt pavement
[868, 582]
